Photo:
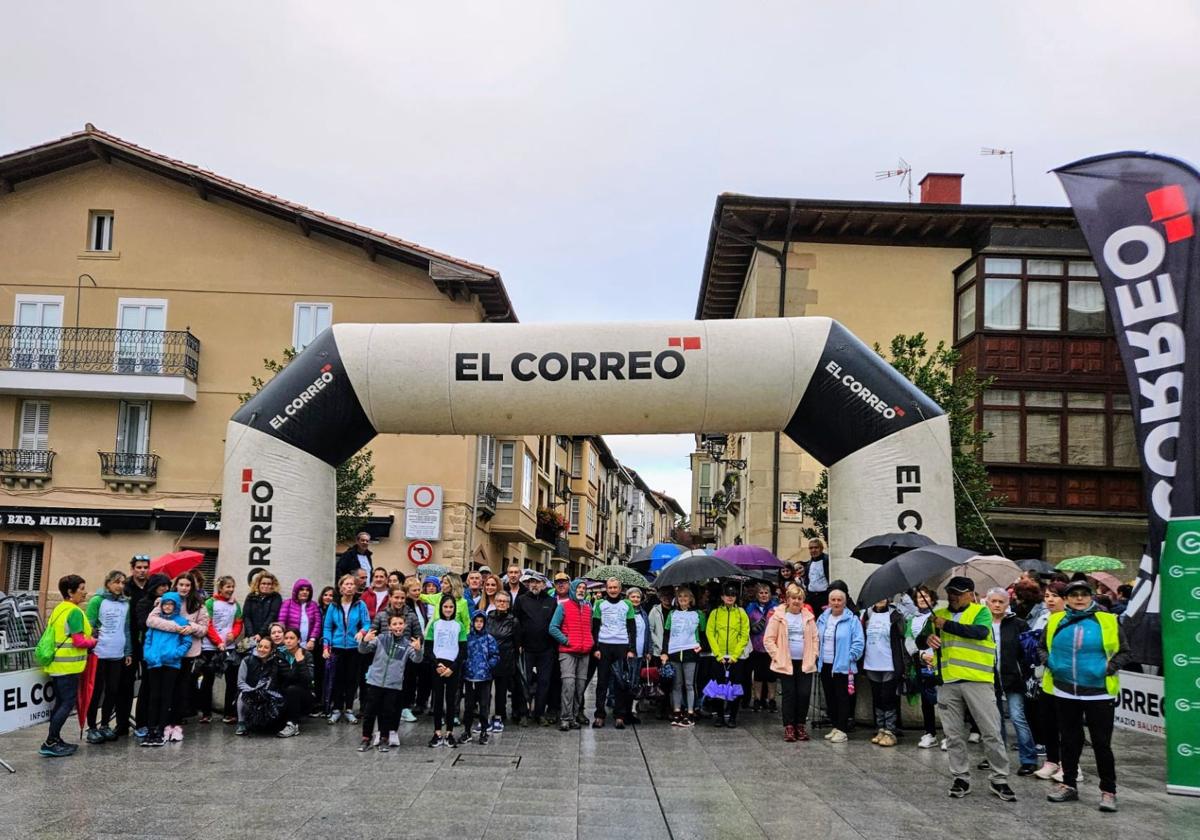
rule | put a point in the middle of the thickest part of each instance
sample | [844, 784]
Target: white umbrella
[988, 572]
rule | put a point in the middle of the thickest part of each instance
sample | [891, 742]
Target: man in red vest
[571, 627]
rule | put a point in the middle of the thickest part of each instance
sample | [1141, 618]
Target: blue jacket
[483, 655]
[338, 632]
[848, 641]
[164, 649]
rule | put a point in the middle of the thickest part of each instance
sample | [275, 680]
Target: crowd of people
[476, 655]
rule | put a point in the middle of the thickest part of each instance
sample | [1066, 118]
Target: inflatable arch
[887, 445]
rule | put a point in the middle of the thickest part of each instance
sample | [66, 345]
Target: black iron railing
[38, 461]
[489, 494]
[133, 464]
[100, 350]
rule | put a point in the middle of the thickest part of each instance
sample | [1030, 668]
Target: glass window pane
[1004, 446]
[1001, 304]
[1002, 265]
[1050, 267]
[1085, 439]
[965, 275]
[966, 313]
[1042, 433]
[1082, 268]
[1043, 307]
[996, 396]
[1121, 402]
[1043, 399]
[1125, 451]
[1081, 399]
[1085, 307]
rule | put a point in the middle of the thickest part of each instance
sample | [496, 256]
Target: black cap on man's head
[960, 584]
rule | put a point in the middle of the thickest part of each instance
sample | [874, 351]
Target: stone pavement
[650, 782]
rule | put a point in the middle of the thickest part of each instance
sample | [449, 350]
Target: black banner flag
[1138, 213]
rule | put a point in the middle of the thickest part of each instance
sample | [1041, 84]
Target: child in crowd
[109, 613]
[216, 648]
[392, 650]
[168, 639]
[448, 640]
[183, 701]
[483, 655]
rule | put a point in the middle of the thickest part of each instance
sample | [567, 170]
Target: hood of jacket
[177, 616]
[573, 588]
[157, 580]
[105, 593]
[300, 584]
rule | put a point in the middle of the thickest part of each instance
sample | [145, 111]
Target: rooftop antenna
[904, 173]
[1010, 154]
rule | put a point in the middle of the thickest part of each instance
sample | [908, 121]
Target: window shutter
[35, 425]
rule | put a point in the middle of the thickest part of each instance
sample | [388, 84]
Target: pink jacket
[197, 626]
[775, 640]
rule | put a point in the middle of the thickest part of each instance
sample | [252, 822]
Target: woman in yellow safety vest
[72, 641]
[1083, 649]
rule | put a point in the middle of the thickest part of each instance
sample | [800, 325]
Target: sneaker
[364, 745]
[973, 738]
[730, 722]
[564, 726]
[449, 740]
[960, 788]
[154, 739]
[457, 722]
[350, 718]
[375, 738]
[1004, 792]
[802, 733]
[315, 713]
[619, 723]
[945, 744]
[407, 716]
[838, 737]
[676, 719]
[205, 719]
[829, 734]
[718, 721]
[109, 734]
[143, 731]
[689, 720]
[927, 741]
[467, 737]
[546, 721]
[1026, 769]
[177, 734]
[393, 739]
[1062, 793]
[1058, 776]
[598, 723]
[581, 719]
[483, 737]
[789, 734]
[477, 726]
[56, 750]
[878, 735]
[229, 720]
[887, 739]
[575, 724]
[435, 741]
[1108, 802]
[1048, 770]
[497, 725]
[384, 747]
[94, 736]
[334, 717]
[241, 729]
[290, 731]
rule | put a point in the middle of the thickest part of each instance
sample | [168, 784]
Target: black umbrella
[883, 547]
[910, 569]
[695, 568]
[1038, 567]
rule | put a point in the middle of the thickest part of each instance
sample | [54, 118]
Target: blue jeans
[1026, 748]
[66, 689]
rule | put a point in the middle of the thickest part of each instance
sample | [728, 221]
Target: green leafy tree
[815, 504]
[354, 477]
[957, 392]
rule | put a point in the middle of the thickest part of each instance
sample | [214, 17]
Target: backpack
[45, 651]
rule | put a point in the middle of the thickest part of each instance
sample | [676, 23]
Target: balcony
[514, 523]
[99, 362]
[487, 497]
[26, 467]
[128, 470]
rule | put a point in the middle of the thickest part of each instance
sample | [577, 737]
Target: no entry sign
[420, 552]
[423, 512]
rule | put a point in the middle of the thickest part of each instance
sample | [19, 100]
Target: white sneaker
[829, 734]
[375, 738]
[1048, 771]
[394, 739]
[838, 737]
[288, 731]
[927, 741]
[945, 744]
[350, 718]
[407, 716]
[1058, 775]
[973, 738]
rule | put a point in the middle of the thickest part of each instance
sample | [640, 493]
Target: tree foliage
[957, 392]
[815, 504]
[354, 477]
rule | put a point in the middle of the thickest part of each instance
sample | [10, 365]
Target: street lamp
[78, 290]
[716, 445]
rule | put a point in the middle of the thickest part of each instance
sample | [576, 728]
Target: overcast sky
[579, 147]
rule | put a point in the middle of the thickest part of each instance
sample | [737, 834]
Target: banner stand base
[1178, 790]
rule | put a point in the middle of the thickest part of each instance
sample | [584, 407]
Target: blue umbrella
[653, 557]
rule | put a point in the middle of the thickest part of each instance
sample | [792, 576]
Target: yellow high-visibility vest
[1110, 637]
[962, 659]
[68, 659]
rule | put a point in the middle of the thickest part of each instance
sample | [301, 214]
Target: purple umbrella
[728, 691]
[749, 557]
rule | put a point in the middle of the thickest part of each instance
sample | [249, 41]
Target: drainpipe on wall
[783, 258]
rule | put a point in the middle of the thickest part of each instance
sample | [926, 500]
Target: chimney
[941, 188]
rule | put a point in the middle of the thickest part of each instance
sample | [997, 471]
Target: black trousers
[539, 670]
[478, 697]
[347, 673]
[837, 697]
[504, 683]
[183, 696]
[1098, 716]
[382, 705]
[160, 690]
[797, 690]
[928, 703]
[1046, 729]
[229, 675]
[610, 654]
[106, 691]
[125, 710]
[444, 697]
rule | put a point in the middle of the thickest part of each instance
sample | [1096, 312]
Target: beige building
[145, 294]
[1012, 288]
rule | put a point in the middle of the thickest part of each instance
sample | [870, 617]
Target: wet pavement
[651, 781]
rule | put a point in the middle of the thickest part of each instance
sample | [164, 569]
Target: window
[1085, 307]
[966, 312]
[309, 321]
[34, 433]
[577, 459]
[487, 460]
[964, 275]
[574, 525]
[1042, 437]
[1078, 428]
[1002, 265]
[705, 486]
[1043, 306]
[1001, 303]
[1051, 268]
[591, 518]
[24, 573]
[100, 230]
[505, 476]
[38, 330]
[591, 462]
[1004, 446]
[527, 481]
[140, 326]
[133, 436]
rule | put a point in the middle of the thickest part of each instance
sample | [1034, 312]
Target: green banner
[1179, 572]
